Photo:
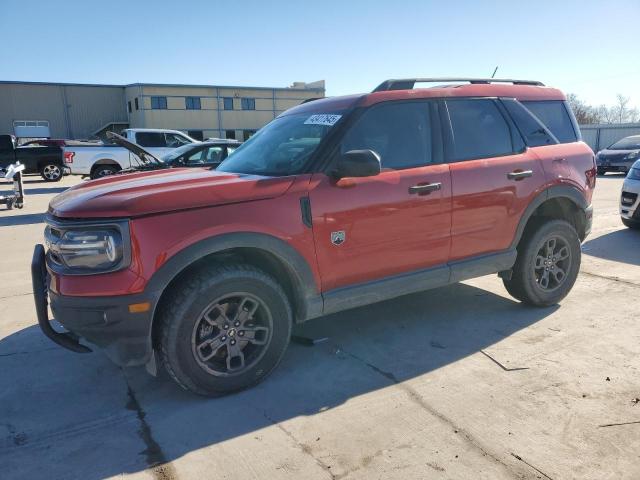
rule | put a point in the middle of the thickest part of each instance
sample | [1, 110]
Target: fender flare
[557, 191]
[308, 301]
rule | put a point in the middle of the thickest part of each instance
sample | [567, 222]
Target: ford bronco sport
[336, 203]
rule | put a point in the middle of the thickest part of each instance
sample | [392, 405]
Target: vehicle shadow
[60, 408]
[25, 219]
[619, 246]
[44, 191]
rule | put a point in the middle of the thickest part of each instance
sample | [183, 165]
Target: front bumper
[103, 321]
[630, 200]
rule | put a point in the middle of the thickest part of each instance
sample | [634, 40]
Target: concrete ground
[460, 382]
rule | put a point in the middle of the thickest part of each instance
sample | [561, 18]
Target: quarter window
[159, 103]
[248, 103]
[399, 132]
[479, 130]
[192, 103]
[534, 132]
[554, 115]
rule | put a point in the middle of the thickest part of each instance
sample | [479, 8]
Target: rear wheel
[51, 172]
[103, 171]
[635, 224]
[547, 265]
[224, 330]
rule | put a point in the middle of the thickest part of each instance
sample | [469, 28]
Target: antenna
[494, 72]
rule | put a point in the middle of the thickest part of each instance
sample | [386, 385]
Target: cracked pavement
[460, 382]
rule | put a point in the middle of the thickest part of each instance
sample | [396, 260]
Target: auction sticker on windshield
[323, 119]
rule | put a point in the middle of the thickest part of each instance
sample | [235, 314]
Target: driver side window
[399, 132]
[175, 141]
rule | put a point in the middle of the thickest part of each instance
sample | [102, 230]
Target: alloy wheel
[552, 263]
[51, 172]
[232, 334]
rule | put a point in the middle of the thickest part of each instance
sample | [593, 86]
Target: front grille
[627, 198]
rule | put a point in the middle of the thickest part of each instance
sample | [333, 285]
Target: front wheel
[225, 329]
[51, 172]
[547, 265]
[101, 171]
[629, 223]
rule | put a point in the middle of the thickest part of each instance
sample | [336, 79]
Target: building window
[228, 103]
[158, 103]
[196, 134]
[192, 103]
[248, 104]
[136, 102]
[247, 134]
[230, 134]
[129, 106]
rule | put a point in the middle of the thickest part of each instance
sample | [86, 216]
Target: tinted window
[248, 104]
[230, 134]
[629, 143]
[534, 132]
[192, 103]
[399, 132]
[228, 103]
[196, 134]
[479, 129]
[553, 114]
[159, 103]
[150, 139]
[136, 102]
[174, 140]
[129, 106]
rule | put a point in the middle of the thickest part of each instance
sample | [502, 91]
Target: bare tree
[587, 114]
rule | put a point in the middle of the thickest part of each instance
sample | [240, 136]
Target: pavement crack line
[618, 424]
[15, 295]
[518, 457]
[610, 278]
[506, 369]
[303, 447]
[161, 468]
[418, 400]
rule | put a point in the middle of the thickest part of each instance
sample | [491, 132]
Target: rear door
[494, 177]
[399, 221]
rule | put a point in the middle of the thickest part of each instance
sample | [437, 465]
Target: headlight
[85, 250]
[634, 174]
[632, 155]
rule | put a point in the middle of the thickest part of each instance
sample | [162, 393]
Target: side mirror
[358, 163]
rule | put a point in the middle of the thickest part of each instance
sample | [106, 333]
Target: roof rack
[409, 83]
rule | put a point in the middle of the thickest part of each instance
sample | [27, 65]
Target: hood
[160, 191]
[615, 154]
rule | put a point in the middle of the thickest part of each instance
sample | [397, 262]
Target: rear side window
[479, 130]
[554, 115]
[150, 139]
[533, 131]
[399, 132]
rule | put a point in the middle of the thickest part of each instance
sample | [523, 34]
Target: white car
[100, 159]
[630, 198]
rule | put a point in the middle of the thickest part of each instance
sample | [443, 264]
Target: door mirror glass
[358, 163]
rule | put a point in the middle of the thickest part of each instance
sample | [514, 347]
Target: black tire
[51, 172]
[101, 171]
[634, 224]
[191, 317]
[538, 277]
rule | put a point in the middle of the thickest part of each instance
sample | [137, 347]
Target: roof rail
[409, 83]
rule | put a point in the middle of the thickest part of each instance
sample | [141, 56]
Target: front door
[399, 221]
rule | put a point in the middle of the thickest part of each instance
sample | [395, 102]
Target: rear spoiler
[133, 148]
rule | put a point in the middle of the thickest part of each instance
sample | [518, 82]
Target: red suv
[336, 203]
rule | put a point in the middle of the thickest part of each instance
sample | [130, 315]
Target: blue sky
[587, 47]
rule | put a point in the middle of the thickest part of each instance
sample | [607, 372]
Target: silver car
[630, 198]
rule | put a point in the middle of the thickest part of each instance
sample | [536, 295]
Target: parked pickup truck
[99, 159]
[47, 161]
[336, 203]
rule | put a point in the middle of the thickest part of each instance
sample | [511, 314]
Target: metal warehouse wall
[601, 136]
[73, 111]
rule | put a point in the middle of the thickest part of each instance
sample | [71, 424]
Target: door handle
[424, 189]
[519, 175]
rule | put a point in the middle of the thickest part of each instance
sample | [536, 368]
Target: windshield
[282, 147]
[629, 143]
[173, 154]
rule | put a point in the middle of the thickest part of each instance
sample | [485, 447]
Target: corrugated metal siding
[87, 109]
[599, 137]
